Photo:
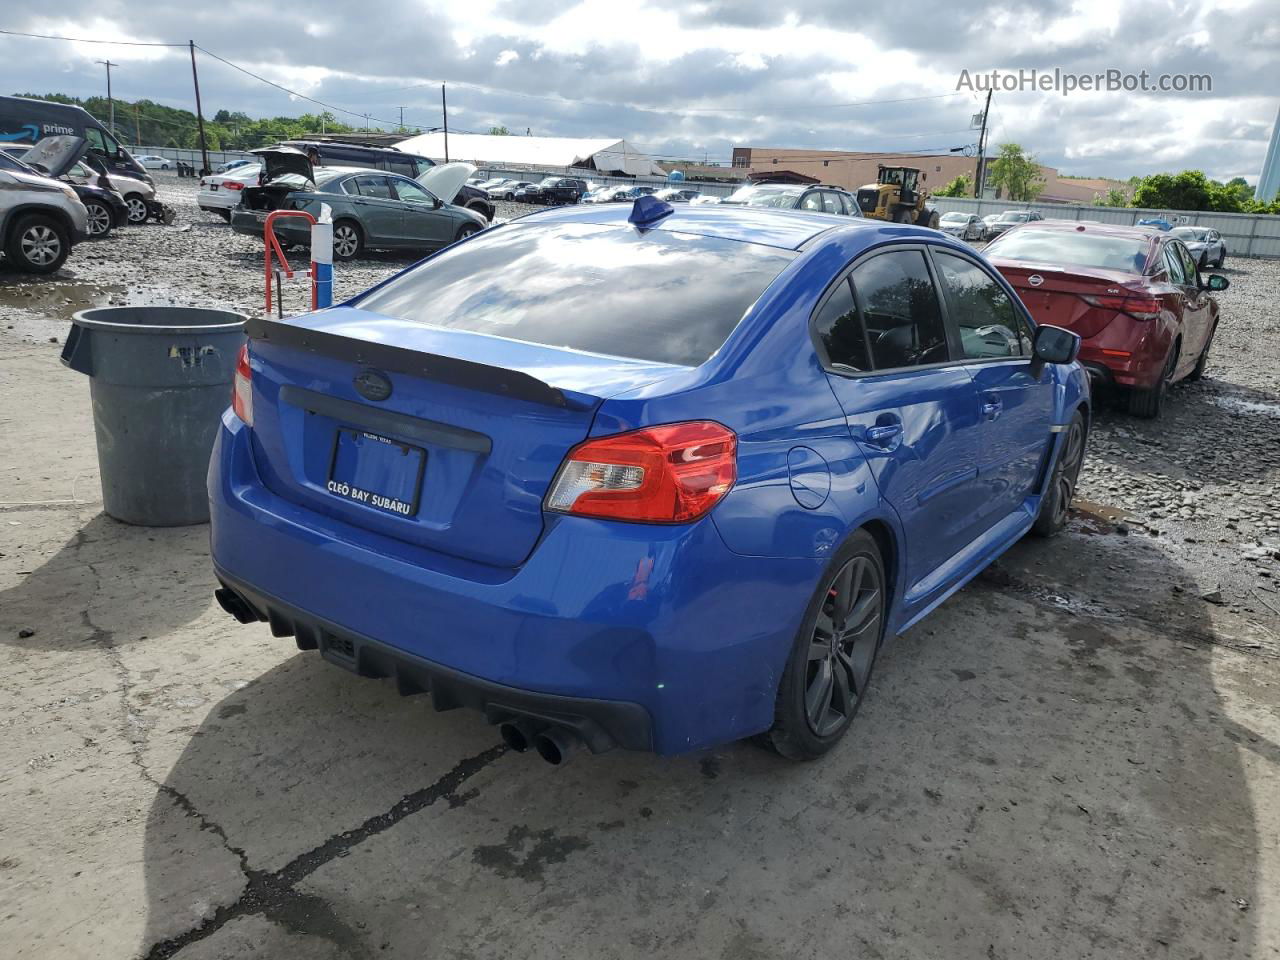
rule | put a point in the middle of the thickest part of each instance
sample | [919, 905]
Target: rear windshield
[1079, 249]
[661, 296]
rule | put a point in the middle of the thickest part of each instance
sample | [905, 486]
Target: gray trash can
[159, 379]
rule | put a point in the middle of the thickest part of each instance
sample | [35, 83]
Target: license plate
[377, 471]
[213, 187]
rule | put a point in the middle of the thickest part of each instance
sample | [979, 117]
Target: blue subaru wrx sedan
[643, 477]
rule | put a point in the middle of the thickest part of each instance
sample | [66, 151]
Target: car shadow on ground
[110, 581]
[1046, 767]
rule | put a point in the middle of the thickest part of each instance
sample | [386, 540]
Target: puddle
[1249, 407]
[1093, 518]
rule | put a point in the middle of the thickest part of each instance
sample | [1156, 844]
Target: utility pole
[110, 100]
[980, 174]
[204, 144]
[402, 118]
[444, 111]
[366, 123]
[137, 126]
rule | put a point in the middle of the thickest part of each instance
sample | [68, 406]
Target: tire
[902, 216]
[1149, 403]
[38, 244]
[1204, 261]
[1198, 371]
[99, 219]
[348, 240]
[466, 230]
[1056, 504]
[137, 208]
[823, 685]
[1221, 259]
[224, 214]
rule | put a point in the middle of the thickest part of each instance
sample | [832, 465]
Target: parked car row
[37, 230]
[370, 208]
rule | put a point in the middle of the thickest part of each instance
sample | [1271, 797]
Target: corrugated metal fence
[1246, 235]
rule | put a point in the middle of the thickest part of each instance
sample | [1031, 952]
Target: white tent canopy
[482, 149]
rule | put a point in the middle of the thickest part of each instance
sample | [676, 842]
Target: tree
[961, 186]
[1016, 172]
[499, 132]
[1115, 197]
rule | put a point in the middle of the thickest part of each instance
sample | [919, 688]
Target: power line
[294, 93]
[121, 43]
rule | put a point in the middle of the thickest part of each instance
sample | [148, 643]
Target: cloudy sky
[688, 78]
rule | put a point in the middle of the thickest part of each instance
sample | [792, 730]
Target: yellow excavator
[898, 195]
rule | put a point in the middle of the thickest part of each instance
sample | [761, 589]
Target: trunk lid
[280, 161]
[447, 440]
[1056, 298]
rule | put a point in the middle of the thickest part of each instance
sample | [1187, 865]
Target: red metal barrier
[274, 249]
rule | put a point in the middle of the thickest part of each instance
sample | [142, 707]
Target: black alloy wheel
[833, 654]
[1056, 504]
[843, 647]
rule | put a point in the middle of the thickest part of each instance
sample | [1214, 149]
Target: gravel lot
[1077, 756]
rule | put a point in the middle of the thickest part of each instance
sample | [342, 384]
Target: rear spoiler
[414, 363]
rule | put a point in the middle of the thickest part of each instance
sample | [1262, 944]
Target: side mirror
[1053, 345]
[1217, 282]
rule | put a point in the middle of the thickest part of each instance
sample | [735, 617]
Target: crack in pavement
[273, 894]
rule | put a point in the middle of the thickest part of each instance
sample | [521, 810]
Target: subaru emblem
[372, 385]
[1035, 279]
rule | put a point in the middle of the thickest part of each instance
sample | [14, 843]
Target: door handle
[991, 409]
[884, 435]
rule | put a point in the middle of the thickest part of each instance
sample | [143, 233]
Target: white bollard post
[322, 259]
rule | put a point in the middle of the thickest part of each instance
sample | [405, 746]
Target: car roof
[785, 229]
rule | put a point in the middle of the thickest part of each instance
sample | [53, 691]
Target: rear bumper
[602, 724]
[604, 621]
[1126, 353]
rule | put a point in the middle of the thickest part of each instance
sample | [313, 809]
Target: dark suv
[553, 190]
[330, 153]
[816, 198]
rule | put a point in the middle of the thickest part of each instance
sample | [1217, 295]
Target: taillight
[669, 474]
[242, 388]
[232, 185]
[202, 181]
[1143, 308]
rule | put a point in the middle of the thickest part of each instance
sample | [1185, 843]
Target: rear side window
[662, 296]
[812, 201]
[840, 329]
[377, 187]
[900, 312]
[989, 325]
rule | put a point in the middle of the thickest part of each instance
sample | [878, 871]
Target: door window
[900, 312]
[988, 322]
[812, 201]
[403, 167]
[376, 187]
[1189, 268]
[411, 192]
[831, 202]
[840, 329]
[1173, 263]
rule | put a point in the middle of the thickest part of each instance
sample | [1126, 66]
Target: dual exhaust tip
[235, 605]
[556, 745]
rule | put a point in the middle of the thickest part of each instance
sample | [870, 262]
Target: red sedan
[1134, 295]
